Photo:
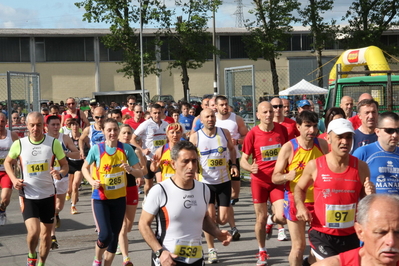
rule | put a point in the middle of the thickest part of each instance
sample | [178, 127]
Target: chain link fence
[19, 92]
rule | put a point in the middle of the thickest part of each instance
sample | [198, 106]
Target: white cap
[340, 126]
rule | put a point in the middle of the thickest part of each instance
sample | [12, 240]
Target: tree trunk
[319, 73]
[185, 80]
[274, 76]
[137, 80]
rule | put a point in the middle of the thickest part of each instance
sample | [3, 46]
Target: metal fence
[20, 92]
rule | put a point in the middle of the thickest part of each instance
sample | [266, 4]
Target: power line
[239, 14]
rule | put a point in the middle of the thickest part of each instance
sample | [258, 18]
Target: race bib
[214, 163]
[37, 168]
[114, 181]
[340, 216]
[158, 143]
[269, 153]
[188, 249]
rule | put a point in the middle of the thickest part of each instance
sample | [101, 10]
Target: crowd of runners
[339, 174]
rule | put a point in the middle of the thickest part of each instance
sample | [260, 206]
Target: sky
[53, 14]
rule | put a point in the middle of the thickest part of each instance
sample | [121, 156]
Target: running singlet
[5, 145]
[112, 177]
[290, 125]
[36, 160]
[179, 214]
[77, 117]
[153, 135]
[165, 163]
[95, 136]
[360, 139]
[299, 160]
[213, 156]
[335, 198]
[383, 165]
[264, 147]
[231, 125]
[56, 164]
[131, 179]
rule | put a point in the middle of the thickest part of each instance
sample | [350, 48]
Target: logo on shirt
[220, 149]
[326, 178]
[107, 168]
[326, 193]
[36, 151]
[189, 203]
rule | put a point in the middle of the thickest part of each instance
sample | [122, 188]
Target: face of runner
[35, 125]
[3, 121]
[184, 110]
[388, 135]
[186, 165]
[99, 116]
[208, 118]
[138, 112]
[131, 103]
[347, 105]
[71, 104]
[265, 113]
[175, 117]
[15, 118]
[380, 233]
[125, 134]
[368, 114]
[191, 112]
[205, 103]
[174, 135]
[286, 107]
[212, 105]
[277, 107]
[340, 144]
[222, 107]
[308, 130]
[73, 126]
[156, 114]
[117, 117]
[111, 131]
[54, 127]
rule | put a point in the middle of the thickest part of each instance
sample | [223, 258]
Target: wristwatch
[159, 252]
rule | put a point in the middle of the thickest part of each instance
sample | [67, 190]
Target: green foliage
[121, 14]
[368, 19]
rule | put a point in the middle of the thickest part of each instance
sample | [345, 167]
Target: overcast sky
[64, 14]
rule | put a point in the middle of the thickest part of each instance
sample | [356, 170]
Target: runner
[215, 148]
[339, 181]
[263, 143]
[178, 238]
[75, 113]
[6, 139]
[94, 132]
[291, 161]
[111, 161]
[37, 191]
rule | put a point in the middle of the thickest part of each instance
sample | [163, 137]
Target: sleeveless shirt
[5, 145]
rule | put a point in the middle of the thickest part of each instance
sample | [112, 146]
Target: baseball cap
[303, 103]
[340, 126]
[93, 101]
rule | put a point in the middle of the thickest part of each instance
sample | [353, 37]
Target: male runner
[279, 117]
[75, 113]
[93, 132]
[347, 105]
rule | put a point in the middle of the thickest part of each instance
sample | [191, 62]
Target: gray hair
[181, 145]
[365, 204]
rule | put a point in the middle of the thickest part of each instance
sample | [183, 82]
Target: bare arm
[194, 139]
[156, 159]
[85, 134]
[242, 129]
[194, 122]
[87, 175]
[364, 175]
[307, 179]
[244, 163]
[8, 165]
[210, 227]
[58, 174]
[84, 118]
[280, 176]
[74, 152]
[232, 152]
[323, 145]
[14, 136]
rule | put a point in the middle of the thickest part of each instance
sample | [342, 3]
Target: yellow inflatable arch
[371, 56]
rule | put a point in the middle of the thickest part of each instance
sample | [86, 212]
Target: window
[65, 49]
[14, 49]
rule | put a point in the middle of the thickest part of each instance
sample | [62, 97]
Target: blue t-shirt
[198, 125]
[360, 139]
[186, 121]
[383, 165]
[94, 154]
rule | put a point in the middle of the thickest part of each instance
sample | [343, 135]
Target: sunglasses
[277, 106]
[99, 117]
[390, 131]
[71, 103]
[132, 103]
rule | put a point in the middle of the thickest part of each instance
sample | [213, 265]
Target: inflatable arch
[371, 56]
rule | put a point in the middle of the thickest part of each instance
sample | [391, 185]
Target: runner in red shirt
[137, 119]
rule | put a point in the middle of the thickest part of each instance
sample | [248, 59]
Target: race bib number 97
[340, 216]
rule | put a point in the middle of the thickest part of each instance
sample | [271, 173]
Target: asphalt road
[76, 237]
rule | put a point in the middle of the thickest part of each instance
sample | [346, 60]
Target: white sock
[262, 249]
[269, 219]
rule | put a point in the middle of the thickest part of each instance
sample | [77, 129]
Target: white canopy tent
[303, 87]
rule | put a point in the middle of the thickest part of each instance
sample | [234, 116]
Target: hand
[139, 181]
[95, 184]
[167, 258]
[254, 167]
[303, 214]
[126, 166]
[82, 155]
[225, 237]
[369, 187]
[234, 170]
[19, 184]
[155, 161]
[55, 173]
[290, 175]
[146, 151]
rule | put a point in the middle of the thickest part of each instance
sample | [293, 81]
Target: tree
[368, 19]
[321, 31]
[121, 14]
[269, 31]
[189, 43]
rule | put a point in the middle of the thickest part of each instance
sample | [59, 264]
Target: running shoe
[305, 262]
[58, 221]
[3, 217]
[262, 258]
[269, 231]
[67, 196]
[31, 262]
[74, 210]
[127, 262]
[233, 201]
[96, 263]
[281, 235]
[118, 251]
[235, 234]
[212, 256]
[54, 243]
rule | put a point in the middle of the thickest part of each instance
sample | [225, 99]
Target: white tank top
[231, 125]
[214, 157]
[36, 160]
[182, 213]
[5, 145]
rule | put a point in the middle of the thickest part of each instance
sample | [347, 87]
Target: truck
[380, 81]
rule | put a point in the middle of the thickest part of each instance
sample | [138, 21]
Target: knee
[261, 219]
[104, 241]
